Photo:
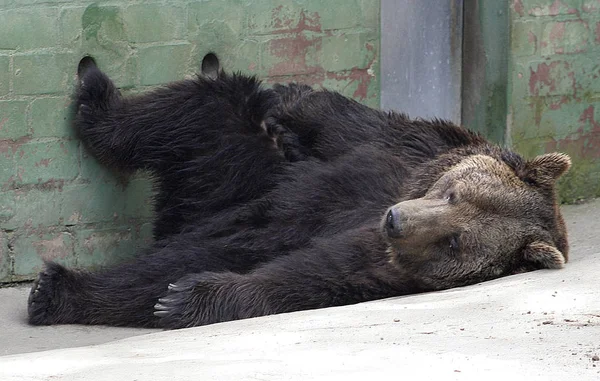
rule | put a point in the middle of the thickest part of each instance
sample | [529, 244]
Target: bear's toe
[41, 303]
[50, 300]
[172, 309]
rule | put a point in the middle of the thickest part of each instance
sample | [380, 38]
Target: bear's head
[481, 217]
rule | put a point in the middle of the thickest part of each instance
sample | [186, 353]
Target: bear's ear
[546, 169]
[544, 254]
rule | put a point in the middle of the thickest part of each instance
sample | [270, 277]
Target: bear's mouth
[393, 255]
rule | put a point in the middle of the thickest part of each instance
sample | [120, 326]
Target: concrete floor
[543, 325]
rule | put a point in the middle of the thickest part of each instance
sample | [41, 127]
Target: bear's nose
[393, 227]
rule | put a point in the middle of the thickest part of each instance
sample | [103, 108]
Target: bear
[273, 199]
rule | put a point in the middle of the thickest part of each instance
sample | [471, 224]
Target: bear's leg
[170, 125]
[336, 271]
[125, 295]
[121, 296]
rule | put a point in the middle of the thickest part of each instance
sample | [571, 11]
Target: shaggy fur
[285, 199]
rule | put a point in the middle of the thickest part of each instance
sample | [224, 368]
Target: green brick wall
[56, 202]
[554, 86]
[531, 81]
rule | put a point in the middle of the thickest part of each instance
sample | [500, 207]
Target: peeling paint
[588, 7]
[518, 7]
[51, 249]
[557, 32]
[546, 76]
[531, 38]
[558, 104]
[74, 218]
[295, 49]
[44, 163]
[361, 76]
[8, 147]
[555, 8]
[308, 22]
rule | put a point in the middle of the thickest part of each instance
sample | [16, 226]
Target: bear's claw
[171, 307]
[39, 303]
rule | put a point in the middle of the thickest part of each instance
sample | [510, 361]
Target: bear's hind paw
[43, 301]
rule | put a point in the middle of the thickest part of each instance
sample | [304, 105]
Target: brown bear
[282, 199]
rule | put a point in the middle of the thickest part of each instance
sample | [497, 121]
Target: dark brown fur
[284, 199]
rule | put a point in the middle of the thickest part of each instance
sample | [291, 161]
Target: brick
[162, 64]
[31, 250]
[32, 208]
[94, 172]
[7, 205]
[33, 2]
[529, 147]
[345, 51]
[70, 27]
[371, 14]
[525, 36]
[154, 22]
[74, 205]
[51, 117]
[561, 77]
[292, 54]
[564, 37]
[358, 84]
[581, 182]
[139, 196]
[213, 15]
[8, 173]
[549, 7]
[591, 6]
[5, 259]
[13, 119]
[244, 57]
[548, 118]
[4, 75]
[115, 60]
[26, 29]
[232, 49]
[42, 73]
[337, 14]
[105, 39]
[47, 161]
[549, 78]
[90, 203]
[268, 17]
[103, 24]
[523, 119]
[143, 236]
[100, 247]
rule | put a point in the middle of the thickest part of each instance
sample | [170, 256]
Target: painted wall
[56, 202]
[531, 81]
[554, 86]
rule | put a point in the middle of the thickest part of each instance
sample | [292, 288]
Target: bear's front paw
[198, 299]
[96, 95]
[45, 299]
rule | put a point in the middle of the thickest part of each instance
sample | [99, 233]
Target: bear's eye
[454, 242]
[450, 196]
